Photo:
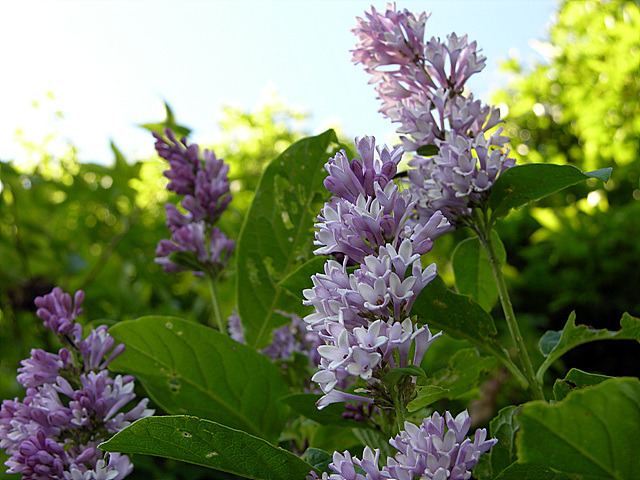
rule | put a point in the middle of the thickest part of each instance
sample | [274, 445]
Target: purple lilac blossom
[421, 85]
[72, 403]
[364, 317]
[290, 338]
[368, 210]
[435, 450]
[201, 178]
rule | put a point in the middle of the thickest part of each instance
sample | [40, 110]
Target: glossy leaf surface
[277, 235]
[590, 433]
[188, 368]
[522, 184]
[206, 443]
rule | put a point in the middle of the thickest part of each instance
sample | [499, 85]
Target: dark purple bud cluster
[72, 402]
[359, 412]
[201, 178]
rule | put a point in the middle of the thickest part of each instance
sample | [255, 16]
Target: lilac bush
[72, 402]
[365, 330]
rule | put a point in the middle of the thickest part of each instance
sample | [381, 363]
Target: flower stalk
[521, 349]
[217, 315]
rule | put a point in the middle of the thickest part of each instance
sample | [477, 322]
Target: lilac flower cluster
[368, 210]
[72, 403]
[435, 450]
[201, 178]
[290, 338]
[363, 317]
[421, 85]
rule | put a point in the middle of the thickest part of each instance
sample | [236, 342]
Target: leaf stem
[509, 315]
[399, 407]
[217, 315]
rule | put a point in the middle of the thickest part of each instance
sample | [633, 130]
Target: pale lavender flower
[71, 405]
[363, 316]
[438, 449]
[425, 94]
[458, 178]
[435, 450]
[416, 76]
[369, 210]
[43, 367]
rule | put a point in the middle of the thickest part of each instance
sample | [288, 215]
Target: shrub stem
[509, 315]
[217, 315]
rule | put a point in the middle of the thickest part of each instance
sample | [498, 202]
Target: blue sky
[111, 63]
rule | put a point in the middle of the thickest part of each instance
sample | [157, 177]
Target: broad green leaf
[473, 273]
[462, 373]
[576, 379]
[428, 150]
[519, 471]
[522, 184]
[319, 459]
[554, 344]
[459, 377]
[305, 404]
[426, 395]
[188, 368]
[504, 427]
[206, 443]
[462, 318]
[458, 315]
[300, 278]
[591, 433]
[277, 235]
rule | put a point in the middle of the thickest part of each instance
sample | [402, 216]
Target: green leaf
[395, 375]
[576, 379]
[522, 184]
[300, 278]
[591, 433]
[463, 372]
[554, 344]
[473, 273]
[305, 404]
[206, 443]
[427, 394]
[277, 235]
[504, 428]
[519, 471]
[458, 315]
[459, 377]
[428, 150]
[462, 318]
[319, 459]
[188, 368]
[169, 122]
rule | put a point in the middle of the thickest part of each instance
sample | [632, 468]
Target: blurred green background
[95, 227]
